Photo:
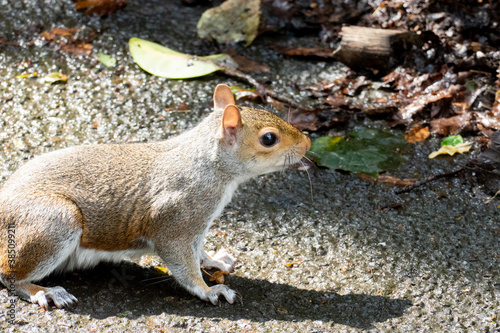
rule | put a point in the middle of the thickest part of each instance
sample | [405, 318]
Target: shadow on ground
[128, 290]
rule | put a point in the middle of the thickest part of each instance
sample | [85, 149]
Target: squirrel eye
[268, 139]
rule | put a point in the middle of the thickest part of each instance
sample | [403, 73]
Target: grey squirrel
[75, 207]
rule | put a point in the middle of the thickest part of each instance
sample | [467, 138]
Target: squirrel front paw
[212, 295]
[221, 260]
[58, 295]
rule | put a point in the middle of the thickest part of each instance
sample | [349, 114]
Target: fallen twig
[261, 89]
[409, 188]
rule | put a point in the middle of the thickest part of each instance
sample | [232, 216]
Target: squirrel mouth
[294, 162]
[303, 164]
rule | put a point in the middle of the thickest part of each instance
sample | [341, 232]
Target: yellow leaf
[452, 150]
[161, 269]
[162, 61]
[54, 77]
[290, 264]
[25, 76]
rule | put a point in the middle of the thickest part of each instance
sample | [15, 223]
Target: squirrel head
[261, 141]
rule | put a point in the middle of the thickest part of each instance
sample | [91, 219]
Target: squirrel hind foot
[57, 295]
[213, 294]
[43, 296]
[221, 260]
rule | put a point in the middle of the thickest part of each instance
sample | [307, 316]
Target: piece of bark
[378, 50]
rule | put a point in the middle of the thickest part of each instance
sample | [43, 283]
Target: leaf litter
[448, 82]
[444, 85]
[69, 40]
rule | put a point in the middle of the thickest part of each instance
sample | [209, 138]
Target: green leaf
[367, 151]
[452, 140]
[162, 61]
[107, 60]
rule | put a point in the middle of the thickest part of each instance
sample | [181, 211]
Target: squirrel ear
[222, 97]
[231, 123]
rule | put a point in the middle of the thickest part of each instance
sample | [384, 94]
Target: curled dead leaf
[417, 133]
[452, 125]
[245, 64]
[489, 119]
[219, 277]
[65, 40]
[59, 32]
[79, 48]
[422, 101]
[313, 120]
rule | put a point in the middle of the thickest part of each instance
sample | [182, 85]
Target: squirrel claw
[239, 298]
[58, 295]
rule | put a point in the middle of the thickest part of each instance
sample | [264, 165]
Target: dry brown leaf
[59, 32]
[452, 125]
[100, 7]
[245, 64]
[422, 101]
[313, 120]
[490, 119]
[68, 43]
[78, 48]
[219, 277]
[417, 133]
[182, 107]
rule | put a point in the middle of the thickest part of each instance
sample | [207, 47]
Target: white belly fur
[88, 258]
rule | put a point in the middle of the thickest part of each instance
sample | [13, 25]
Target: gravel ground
[366, 258]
